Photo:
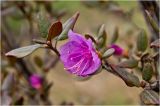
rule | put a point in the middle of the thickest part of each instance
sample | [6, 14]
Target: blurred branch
[7, 11]
[8, 40]
[154, 86]
[151, 9]
[51, 63]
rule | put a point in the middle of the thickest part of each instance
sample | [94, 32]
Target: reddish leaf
[54, 30]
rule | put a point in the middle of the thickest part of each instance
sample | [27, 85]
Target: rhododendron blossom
[79, 56]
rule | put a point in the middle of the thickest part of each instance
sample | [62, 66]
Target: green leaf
[149, 97]
[155, 43]
[23, 51]
[69, 24]
[55, 30]
[147, 72]
[108, 53]
[43, 25]
[102, 37]
[142, 41]
[131, 63]
[115, 35]
[129, 78]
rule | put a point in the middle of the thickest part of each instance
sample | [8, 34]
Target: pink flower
[35, 81]
[118, 49]
[79, 56]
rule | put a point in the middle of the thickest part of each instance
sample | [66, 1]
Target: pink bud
[35, 81]
[118, 49]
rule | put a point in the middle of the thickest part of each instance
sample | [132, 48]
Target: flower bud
[118, 49]
[35, 81]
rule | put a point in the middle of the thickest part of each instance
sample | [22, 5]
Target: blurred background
[19, 27]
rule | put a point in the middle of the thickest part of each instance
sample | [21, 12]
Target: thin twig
[39, 41]
[49, 43]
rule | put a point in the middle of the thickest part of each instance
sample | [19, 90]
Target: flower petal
[96, 62]
[79, 56]
[78, 38]
[67, 49]
[73, 59]
[90, 44]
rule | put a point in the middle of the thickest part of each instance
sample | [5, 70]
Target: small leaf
[149, 97]
[101, 31]
[142, 41]
[8, 82]
[102, 37]
[115, 35]
[131, 63]
[55, 30]
[38, 61]
[100, 43]
[69, 24]
[129, 78]
[23, 51]
[147, 71]
[87, 36]
[43, 24]
[155, 43]
[108, 53]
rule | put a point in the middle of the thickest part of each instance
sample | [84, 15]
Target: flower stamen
[79, 55]
[84, 67]
[76, 65]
